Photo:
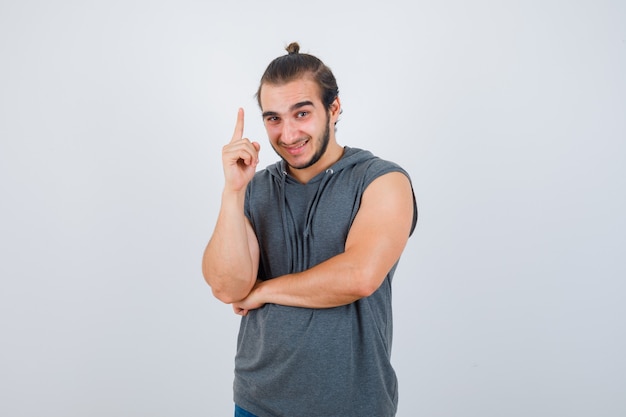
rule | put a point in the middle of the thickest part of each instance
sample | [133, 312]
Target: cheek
[272, 131]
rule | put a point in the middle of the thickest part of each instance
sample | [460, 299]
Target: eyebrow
[292, 108]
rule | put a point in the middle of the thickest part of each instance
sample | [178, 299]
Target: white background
[509, 116]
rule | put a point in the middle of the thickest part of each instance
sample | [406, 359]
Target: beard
[323, 145]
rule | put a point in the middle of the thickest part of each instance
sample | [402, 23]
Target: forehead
[280, 97]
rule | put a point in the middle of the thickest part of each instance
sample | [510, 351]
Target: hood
[351, 156]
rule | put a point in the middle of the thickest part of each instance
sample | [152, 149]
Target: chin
[295, 164]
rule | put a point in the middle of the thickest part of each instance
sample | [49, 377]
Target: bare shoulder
[389, 202]
[393, 187]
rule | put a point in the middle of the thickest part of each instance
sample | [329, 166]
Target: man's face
[297, 124]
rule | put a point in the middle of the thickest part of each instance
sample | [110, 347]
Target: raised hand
[239, 158]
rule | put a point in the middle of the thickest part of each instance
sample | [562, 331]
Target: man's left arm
[374, 244]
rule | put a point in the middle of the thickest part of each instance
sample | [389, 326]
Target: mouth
[296, 148]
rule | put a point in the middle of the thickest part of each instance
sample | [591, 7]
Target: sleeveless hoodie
[300, 362]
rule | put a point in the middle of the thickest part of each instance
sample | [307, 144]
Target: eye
[271, 119]
[302, 114]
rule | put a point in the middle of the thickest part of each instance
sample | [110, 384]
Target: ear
[335, 109]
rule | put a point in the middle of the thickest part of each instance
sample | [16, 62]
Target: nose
[290, 133]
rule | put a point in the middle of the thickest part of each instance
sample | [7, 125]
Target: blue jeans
[240, 412]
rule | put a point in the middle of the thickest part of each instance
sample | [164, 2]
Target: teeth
[298, 145]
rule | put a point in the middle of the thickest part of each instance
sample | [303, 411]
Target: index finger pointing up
[238, 133]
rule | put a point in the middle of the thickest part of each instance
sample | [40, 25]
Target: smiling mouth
[295, 148]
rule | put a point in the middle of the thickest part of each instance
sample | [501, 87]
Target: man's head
[295, 65]
[298, 96]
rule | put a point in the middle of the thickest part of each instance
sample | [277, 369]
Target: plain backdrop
[509, 115]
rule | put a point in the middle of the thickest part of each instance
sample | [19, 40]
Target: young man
[305, 251]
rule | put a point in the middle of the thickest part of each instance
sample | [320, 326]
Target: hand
[239, 158]
[251, 302]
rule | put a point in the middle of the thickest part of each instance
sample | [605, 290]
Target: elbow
[224, 296]
[227, 285]
[365, 290]
[227, 294]
[219, 290]
[367, 285]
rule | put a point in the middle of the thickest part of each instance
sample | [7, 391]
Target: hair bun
[293, 48]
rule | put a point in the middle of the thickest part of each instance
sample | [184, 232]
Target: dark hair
[294, 65]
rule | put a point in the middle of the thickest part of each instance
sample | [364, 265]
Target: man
[305, 251]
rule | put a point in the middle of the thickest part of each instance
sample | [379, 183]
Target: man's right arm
[231, 259]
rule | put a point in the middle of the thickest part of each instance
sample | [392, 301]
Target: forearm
[228, 264]
[335, 282]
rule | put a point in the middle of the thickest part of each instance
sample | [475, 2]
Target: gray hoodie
[300, 362]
